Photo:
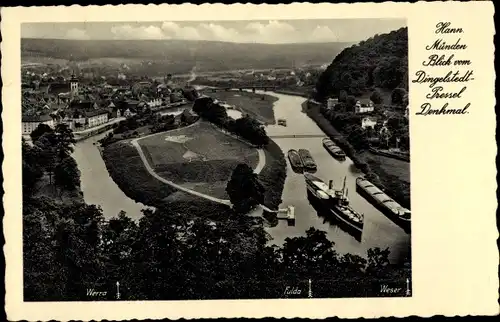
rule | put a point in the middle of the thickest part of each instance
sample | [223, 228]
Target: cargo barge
[398, 214]
[333, 149]
[307, 160]
[334, 201]
[295, 161]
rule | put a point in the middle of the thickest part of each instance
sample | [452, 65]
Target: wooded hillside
[379, 62]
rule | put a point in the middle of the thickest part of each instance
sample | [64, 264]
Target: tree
[202, 104]
[32, 171]
[351, 102]
[251, 130]
[378, 262]
[67, 175]
[388, 74]
[398, 95]
[64, 141]
[45, 146]
[376, 97]
[40, 130]
[244, 189]
[343, 96]
[357, 137]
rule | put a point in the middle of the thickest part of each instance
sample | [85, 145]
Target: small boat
[335, 201]
[295, 160]
[398, 214]
[282, 122]
[307, 160]
[333, 149]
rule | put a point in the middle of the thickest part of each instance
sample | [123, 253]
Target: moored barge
[333, 149]
[307, 160]
[295, 160]
[398, 214]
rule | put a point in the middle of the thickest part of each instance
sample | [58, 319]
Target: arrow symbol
[117, 290]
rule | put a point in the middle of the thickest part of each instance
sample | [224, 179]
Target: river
[378, 230]
[98, 187]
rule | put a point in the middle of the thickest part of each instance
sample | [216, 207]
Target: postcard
[204, 161]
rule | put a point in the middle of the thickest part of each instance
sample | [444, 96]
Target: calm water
[97, 186]
[379, 231]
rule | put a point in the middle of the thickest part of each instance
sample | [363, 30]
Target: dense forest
[379, 62]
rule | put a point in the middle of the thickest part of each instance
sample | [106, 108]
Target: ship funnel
[330, 184]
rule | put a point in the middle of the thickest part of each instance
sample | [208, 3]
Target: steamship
[398, 214]
[334, 201]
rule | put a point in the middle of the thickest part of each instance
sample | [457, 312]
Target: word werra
[437, 93]
[443, 28]
[440, 44]
[451, 77]
[92, 292]
[292, 290]
[391, 290]
[427, 110]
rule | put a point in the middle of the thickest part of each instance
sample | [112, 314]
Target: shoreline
[389, 183]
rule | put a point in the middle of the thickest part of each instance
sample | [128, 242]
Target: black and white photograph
[199, 160]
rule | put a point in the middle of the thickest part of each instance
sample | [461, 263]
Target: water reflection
[329, 218]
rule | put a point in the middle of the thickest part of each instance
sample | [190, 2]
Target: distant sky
[273, 31]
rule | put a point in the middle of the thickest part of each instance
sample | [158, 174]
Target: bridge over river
[298, 136]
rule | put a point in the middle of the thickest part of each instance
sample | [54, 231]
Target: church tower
[74, 85]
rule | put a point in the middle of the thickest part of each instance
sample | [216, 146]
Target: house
[368, 122]
[331, 102]
[84, 105]
[127, 113]
[131, 104]
[155, 102]
[31, 122]
[364, 106]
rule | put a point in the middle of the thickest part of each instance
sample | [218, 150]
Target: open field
[198, 157]
[250, 103]
[395, 167]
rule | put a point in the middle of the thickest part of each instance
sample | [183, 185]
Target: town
[277, 172]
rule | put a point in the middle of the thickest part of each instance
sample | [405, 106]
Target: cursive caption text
[446, 72]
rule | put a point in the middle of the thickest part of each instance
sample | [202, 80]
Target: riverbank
[258, 106]
[375, 169]
[273, 177]
[292, 92]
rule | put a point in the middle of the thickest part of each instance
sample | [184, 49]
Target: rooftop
[36, 118]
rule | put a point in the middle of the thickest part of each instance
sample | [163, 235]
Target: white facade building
[368, 122]
[100, 118]
[364, 107]
[156, 102]
[30, 123]
[332, 102]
